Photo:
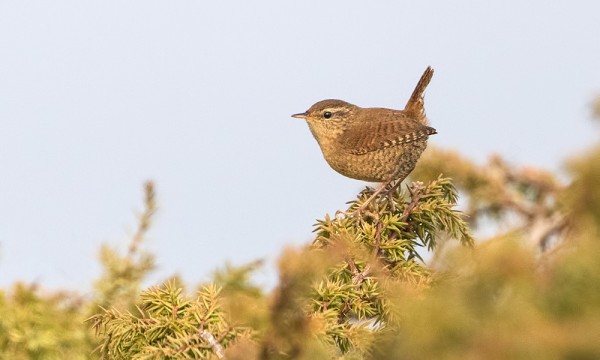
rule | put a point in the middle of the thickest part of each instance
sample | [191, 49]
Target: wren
[372, 144]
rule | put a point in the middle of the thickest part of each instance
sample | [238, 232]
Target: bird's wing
[374, 135]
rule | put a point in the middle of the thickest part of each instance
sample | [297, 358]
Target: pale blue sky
[98, 96]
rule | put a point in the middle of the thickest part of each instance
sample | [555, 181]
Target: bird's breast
[376, 166]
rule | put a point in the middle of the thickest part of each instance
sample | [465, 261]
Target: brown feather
[377, 134]
[415, 106]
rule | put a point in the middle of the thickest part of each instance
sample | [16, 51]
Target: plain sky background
[98, 96]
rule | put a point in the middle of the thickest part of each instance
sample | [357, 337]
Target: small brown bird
[371, 144]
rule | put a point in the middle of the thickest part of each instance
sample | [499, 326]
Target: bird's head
[328, 118]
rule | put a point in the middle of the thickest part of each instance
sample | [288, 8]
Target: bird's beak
[300, 115]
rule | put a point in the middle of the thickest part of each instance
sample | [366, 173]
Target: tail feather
[415, 107]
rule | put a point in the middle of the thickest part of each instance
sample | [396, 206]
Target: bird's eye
[327, 114]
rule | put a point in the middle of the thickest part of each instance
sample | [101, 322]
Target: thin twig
[216, 347]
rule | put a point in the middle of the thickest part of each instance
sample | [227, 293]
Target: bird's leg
[377, 192]
[393, 189]
[364, 205]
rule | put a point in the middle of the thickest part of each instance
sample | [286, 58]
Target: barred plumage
[372, 144]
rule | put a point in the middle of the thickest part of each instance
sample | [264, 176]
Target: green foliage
[500, 302]
[244, 301]
[122, 274]
[168, 325]
[336, 287]
[582, 198]
[40, 325]
[236, 279]
[504, 198]
[291, 332]
[361, 290]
